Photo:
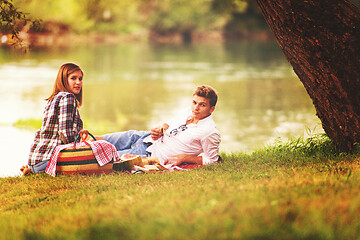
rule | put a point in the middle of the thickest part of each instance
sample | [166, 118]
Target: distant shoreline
[63, 39]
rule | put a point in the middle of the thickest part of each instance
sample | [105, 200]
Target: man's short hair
[207, 92]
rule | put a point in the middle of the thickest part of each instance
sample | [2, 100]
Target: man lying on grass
[191, 137]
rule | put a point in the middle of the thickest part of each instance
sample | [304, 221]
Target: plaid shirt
[60, 115]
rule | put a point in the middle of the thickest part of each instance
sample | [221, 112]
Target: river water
[139, 85]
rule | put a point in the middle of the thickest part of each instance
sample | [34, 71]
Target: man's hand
[176, 160]
[157, 132]
[183, 158]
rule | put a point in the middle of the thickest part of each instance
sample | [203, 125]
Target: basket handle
[83, 137]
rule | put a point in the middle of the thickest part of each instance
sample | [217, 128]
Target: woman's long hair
[62, 83]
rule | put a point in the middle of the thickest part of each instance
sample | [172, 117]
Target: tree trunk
[321, 40]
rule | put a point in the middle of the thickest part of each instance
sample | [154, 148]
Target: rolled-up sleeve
[211, 144]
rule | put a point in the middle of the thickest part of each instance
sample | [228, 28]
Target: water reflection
[137, 86]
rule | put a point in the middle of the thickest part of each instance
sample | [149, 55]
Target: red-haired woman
[61, 121]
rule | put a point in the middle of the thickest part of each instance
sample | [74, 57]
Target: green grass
[30, 123]
[302, 189]
[102, 126]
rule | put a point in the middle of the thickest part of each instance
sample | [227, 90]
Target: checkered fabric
[60, 115]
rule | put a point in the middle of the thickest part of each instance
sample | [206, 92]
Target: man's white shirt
[202, 139]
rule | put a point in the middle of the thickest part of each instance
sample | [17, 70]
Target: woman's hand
[83, 132]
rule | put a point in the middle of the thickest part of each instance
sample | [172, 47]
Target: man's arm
[183, 158]
[211, 145]
[210, 155]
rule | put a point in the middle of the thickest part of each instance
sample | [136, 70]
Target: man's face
[201, 107]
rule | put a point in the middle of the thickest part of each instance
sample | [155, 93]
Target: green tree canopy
[12, 21]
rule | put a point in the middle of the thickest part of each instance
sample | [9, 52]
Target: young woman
[61, 121]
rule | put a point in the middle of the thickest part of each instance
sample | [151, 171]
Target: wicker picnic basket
[81, 160]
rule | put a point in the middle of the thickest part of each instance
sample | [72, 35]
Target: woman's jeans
[129, 142]
[39, 167]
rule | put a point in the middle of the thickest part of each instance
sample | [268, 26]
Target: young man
[191, 137]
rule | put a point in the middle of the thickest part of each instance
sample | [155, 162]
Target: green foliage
[315, 145]
[84, 16]
[171, 16]
[245, 20]
[12, 20]
[68, 12]
[114, 16]
[9, 17]
[230, 6]
[126, 16]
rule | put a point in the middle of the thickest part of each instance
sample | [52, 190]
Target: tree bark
[321, 40]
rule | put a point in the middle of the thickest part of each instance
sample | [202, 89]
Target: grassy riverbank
[299, 190]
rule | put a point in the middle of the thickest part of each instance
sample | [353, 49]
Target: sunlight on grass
[94, 126]
[281, 192]
[30, 123]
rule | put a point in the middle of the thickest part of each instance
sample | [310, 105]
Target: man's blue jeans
[129, 142]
